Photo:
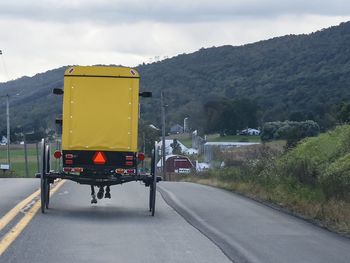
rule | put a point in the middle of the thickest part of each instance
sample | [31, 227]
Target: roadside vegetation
[233, 138]
[17, 160]
[311, 179]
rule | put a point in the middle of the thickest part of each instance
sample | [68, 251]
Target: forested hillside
[295, 77]
[302, 76]
[32, 104]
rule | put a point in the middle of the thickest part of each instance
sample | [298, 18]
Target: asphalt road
[248, 231]
[14, 190]
[116, 230]
[196, 224]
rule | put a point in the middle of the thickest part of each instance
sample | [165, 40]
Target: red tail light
[141, 156]
[69, 162]
[129, 157]
[57, 154]
[99, 158]
[128, 163]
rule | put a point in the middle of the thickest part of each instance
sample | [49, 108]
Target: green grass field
[17, 160]
[232, 138]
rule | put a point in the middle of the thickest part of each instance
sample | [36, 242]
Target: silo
[186, 125]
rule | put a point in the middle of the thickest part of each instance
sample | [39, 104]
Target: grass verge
[17, 160]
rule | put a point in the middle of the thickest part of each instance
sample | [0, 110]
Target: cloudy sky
[39, 35]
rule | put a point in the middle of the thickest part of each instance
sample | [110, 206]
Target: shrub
[311, 158]
[292, 131]
[269, 129]
[254, 156]
[336, 180]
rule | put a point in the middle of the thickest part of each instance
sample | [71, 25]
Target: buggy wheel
[153, 184]
[47, 170]
[43, 194]
[152, 196]
[47, 190]
[43, 179]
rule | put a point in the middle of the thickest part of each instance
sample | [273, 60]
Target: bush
[312, 157]
[258, 156]
[336, 180]
[304, 169]
[292, 131]
[269, 129]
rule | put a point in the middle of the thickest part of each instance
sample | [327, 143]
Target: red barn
[177, 164]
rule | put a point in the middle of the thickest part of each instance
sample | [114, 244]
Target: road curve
[116, 230]
[248, 231]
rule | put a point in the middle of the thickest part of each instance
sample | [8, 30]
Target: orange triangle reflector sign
[99, 158]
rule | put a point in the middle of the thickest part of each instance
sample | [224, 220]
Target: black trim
[99, 76]
[97, 181]
[84, 159]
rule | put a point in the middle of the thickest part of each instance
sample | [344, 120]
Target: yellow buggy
[99, 132]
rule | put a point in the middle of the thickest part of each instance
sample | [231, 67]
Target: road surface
[248, 231]
[116, 230]
[193, 223]
[13, 190]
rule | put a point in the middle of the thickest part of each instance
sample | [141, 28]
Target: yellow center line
[17, 229]
[14, 211]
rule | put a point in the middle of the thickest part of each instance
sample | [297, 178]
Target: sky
[39, 35]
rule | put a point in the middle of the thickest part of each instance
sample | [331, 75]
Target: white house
[169, 149]
[3, 140]
[250, 132]
[202, 166]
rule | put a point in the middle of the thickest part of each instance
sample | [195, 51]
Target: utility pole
[8, 127]
[163, 134]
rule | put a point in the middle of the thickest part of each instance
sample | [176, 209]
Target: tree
[343, 110]
[296, 116]
[227, 116]
[292, 131]
[176, 147]
[147, 136]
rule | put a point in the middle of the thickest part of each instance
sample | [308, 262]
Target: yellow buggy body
[100, 109]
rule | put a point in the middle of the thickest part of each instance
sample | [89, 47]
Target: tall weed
[309, 161]
[336, 179]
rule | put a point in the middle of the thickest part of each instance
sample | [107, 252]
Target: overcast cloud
[39, 35]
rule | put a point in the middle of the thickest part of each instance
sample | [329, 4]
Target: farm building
[177, 128]
[249, 132]
[176, 164]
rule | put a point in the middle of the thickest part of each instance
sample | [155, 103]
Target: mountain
[32, 104]
[293, 75]
[306, 74]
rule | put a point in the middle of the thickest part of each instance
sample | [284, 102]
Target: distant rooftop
[231, 143]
